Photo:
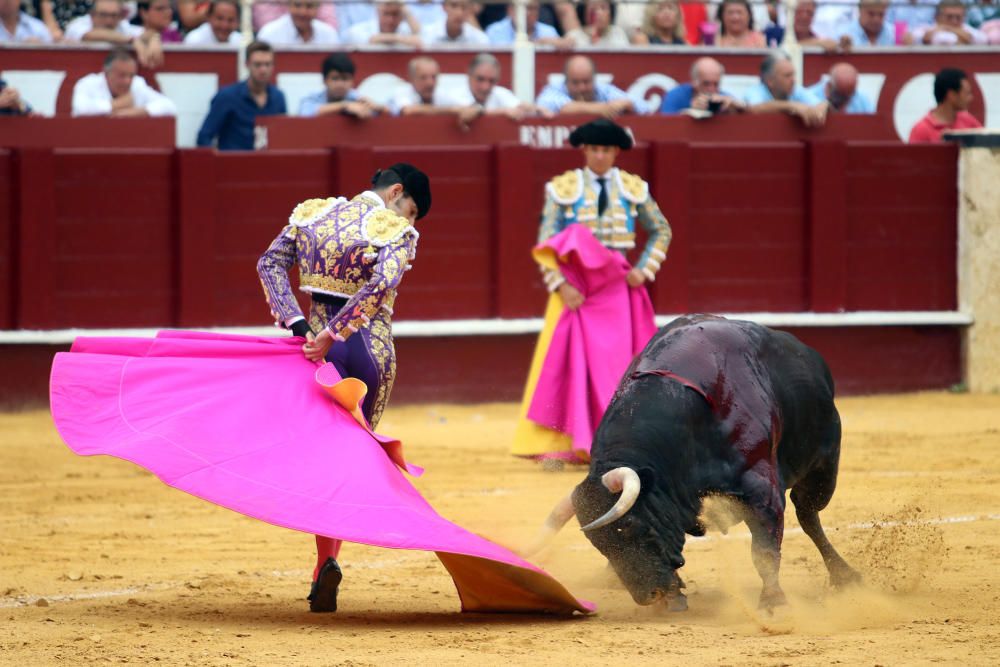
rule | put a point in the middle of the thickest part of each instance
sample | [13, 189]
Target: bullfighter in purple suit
[351, 257]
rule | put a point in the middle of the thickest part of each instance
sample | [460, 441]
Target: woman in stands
[663, 23]
[736, 21]
[599, 29]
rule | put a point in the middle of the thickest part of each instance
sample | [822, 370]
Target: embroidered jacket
[355, 249]
[570, 198]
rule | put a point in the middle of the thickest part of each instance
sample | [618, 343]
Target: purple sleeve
[272, 268]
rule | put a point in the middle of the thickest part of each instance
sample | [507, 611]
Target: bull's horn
[560, 514]
[622, 479]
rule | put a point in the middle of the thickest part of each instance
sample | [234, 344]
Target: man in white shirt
[483, 96]
[223, 19]
[106, 23]
[17, 26]
[950, 28]
[455, 27]
[299, 26]
[420, 95]
[118, 92]
[393, 25]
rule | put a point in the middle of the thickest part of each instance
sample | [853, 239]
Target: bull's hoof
[677, 602]
[772, 599]
[844, 577]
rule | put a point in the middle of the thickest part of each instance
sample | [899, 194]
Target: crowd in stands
[146, 25]
[563, 24]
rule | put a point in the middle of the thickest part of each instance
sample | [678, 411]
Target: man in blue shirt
[234, 109]
[338, 95]
[840, 89]
[580, 93]
[703, 93]
[870, 28]
[503, 32]
[778, 93]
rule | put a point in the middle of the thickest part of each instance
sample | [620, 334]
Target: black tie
[602, 197]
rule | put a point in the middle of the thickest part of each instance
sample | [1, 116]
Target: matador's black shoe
[323, 596]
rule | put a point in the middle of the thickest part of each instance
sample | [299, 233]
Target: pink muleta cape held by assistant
[249, 424]
[593, 345]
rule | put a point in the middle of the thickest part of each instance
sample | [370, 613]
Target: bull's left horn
[622, 479]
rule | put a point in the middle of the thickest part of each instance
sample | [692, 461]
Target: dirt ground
[101, 563]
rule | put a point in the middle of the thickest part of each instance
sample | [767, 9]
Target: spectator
[106, 23]
[426, 12]
[393, 25]
[833, 18]
[777, 93]
[953, 94]
[420, 95]
[662, 23]
[840, 89]
[580, 93]
[484, 96]
[339, 95]
[193, 14]
[118, 92]
[157, 18]
[949, 27]
[11, 102]
[912, 13]
[268, 11]
[871, 28]
[736, 21]
[223, 19]
[703, 93]
[599, 29]
[802, 21]
[58, 13]
[17, 26]
[234, 109]
[454, 28]
[503, 32]
[299, 26]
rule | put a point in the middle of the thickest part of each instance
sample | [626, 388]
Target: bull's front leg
[765, 518]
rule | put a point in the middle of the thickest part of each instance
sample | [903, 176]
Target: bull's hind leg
[810, 496]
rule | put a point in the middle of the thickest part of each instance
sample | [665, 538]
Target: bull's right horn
[560, 515]
[621, 479]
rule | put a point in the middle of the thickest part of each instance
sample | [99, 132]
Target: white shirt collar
[371, 194]
[592, 178]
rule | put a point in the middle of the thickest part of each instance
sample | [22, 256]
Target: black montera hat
[601, 132]
[415, 183]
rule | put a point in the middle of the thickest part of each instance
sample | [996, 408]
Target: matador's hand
[571, 296]
[635, 278]
[316, 348]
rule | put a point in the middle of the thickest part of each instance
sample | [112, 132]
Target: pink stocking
[326, 547]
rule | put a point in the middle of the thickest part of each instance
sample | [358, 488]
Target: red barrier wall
[163, 237]
[8, 214]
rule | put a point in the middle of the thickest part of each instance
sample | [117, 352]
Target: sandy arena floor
[101, 563]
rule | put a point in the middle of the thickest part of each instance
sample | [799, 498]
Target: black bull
[712, 407]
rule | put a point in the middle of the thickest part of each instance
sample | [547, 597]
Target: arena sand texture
[101, 563]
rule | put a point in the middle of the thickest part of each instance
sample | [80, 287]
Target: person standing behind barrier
[580, 93]
[221, 28]
[777, 92]
[704, 93]
[953, 93]
[118, 92]
[420, 96]
[840, 89]
[482, 96]
[609, 202]
[231, 116]
[299, 26]
[338, 95]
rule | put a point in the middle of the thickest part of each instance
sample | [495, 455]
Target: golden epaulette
[382, 227]
[312, 210]
[633, 188]
[566, 188]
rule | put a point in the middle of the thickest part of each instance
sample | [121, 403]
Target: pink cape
[592, 345]
[240, 421]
